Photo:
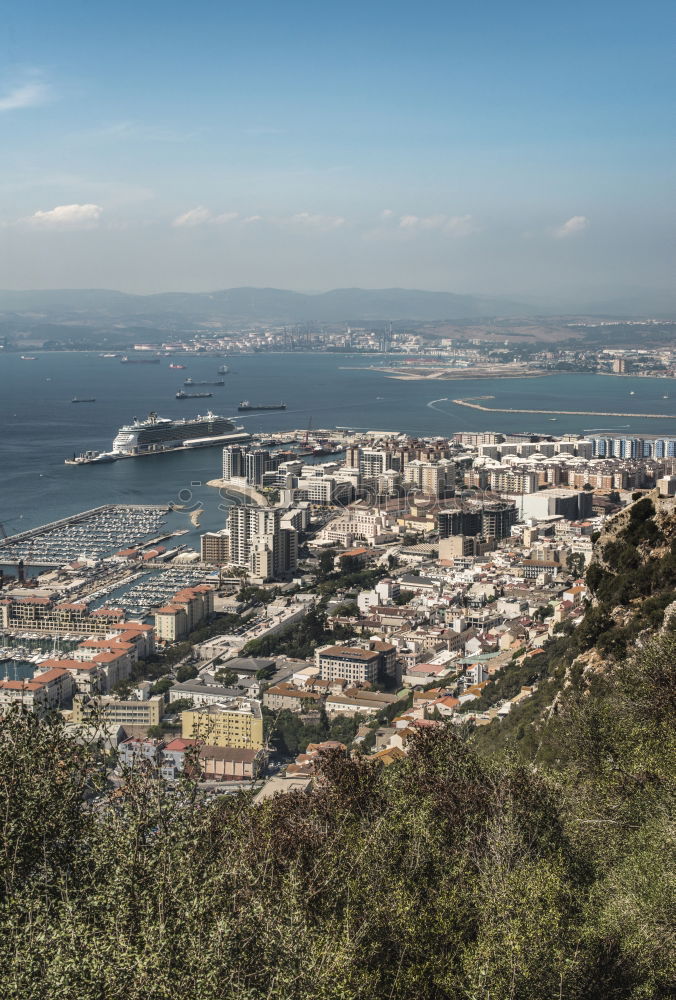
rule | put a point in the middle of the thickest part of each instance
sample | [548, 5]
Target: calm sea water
[40, 427]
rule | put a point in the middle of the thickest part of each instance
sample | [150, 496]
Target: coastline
[241, 489]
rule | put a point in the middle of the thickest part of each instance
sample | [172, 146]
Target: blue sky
[523, 149]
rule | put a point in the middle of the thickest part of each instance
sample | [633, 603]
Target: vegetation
[299, 641]
[444, 877]
[290, 734]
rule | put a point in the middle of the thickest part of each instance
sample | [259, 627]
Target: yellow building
[235, 723]
[124, 713]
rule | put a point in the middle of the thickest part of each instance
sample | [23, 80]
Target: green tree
[226, 677]
[186, 672]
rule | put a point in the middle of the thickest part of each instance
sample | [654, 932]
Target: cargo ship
[192, 395]
[177, 366]
[126, 360]
[156, 435]
[192, 381]
[83, 400]
[245, 406]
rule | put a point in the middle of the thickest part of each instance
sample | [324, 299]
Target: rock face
[625, 526]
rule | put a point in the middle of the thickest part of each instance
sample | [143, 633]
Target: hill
[268, 305]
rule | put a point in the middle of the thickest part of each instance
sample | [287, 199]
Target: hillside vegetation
[534, 865]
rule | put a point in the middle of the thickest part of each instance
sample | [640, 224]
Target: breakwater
[566, 413]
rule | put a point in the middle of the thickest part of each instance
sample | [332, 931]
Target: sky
[521, 149]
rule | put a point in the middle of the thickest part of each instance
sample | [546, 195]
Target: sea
[40, 426]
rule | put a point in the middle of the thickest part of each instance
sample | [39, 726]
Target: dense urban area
[347, 604]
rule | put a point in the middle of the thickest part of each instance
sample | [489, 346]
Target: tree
[186, 672]
[226, 677]
[326, 560]
[179, 705]
[162, 685]
[575, 563]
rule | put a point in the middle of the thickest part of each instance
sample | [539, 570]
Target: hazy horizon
[513, 151]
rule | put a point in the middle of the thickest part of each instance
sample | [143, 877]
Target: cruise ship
[161, 434]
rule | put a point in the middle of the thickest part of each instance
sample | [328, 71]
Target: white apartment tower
[260, 543]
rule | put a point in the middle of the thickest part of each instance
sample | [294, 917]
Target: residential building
[113, 710]
[237, 722]
[358, 665]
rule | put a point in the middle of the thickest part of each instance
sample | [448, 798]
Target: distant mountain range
[265, 305]
[276, 305]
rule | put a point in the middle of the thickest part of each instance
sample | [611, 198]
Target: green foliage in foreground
[446, 876]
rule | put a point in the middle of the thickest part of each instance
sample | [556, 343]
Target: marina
[92, 535]
[150, 590]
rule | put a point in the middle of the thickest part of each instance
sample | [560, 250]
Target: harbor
[150, 590]
[91, 535]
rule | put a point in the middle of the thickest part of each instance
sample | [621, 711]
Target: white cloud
[314, 221]
[29, 95]
[253, 218]
[225, 217]
[576, 224]
[386, 213]
[453, 225]
[67, 216]
[193, 217]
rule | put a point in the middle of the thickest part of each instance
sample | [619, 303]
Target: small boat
[665, 397]
[83, 400]
[177, 366]
[632, 393]
[223, 370]
[27, 357]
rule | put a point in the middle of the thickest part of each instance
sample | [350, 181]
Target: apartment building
[357, 665]
[233, 723]
[256, 539]
[52, 689]
[119, 711]
[187, 609]
[42, 614]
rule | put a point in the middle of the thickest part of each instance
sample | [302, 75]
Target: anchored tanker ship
[156, 435]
